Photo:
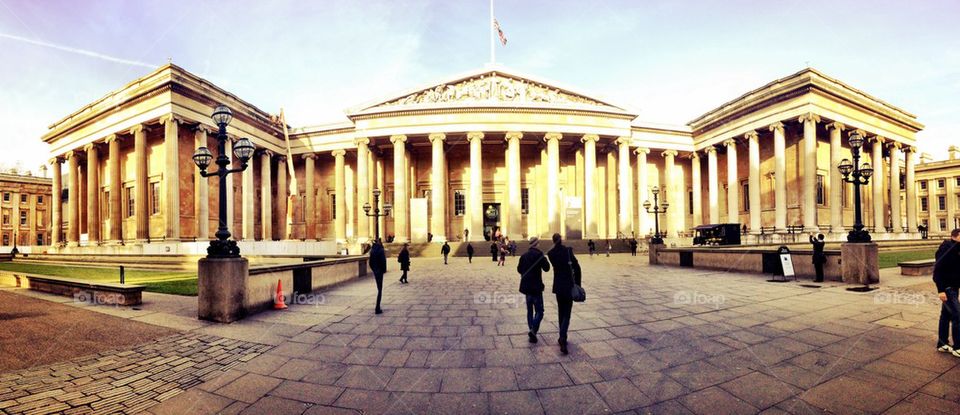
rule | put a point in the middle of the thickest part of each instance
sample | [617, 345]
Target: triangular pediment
[487, 88]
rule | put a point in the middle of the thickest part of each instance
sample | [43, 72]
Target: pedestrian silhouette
[531, 266]
[445, 250]
[404, 259]
[378, 264]
[819, 258]
[566, 273]
[469, 252]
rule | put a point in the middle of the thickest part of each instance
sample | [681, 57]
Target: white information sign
[786, 261]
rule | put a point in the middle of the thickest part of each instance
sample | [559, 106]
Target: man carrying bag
[566, 285]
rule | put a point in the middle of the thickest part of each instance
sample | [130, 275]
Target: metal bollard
[121, 274]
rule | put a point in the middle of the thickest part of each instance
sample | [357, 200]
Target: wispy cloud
[78, 51]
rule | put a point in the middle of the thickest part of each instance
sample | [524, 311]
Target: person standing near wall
[819, 258]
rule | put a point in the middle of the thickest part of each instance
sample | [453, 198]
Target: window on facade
[923, 185]
[105, 205]
[130, 202]
[23, 218]
[6, 198]
[6, 217]
[941, 183]
[154, 198]
[924, 206]
[39, 219]
[23, 198]
[39, 199]
[690, 202]
[6, 240]
[941, 203]
[943, 224]
[333, 206]
[460, 203]
[958, 181]
[745, 196]
[524, 201]
[40, 239]
[821, 197]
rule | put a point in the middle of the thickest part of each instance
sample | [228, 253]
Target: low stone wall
[298, 279]
[748, 260]
[917, 268]
[80, 290]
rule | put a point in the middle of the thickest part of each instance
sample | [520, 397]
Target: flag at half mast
[503, 38]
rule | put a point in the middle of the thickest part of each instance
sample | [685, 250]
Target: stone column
[610, 192]
[93, 198]
[349, 207]
[895, 217]
[912, 192]
[810, 121]
[266, 196]
[879, 208]
[733, 184]
[753, 181]
[140, 202]
[713, 184]
[280, 231]
[697, 188]
[116, 189]
[625, 182]
[671, 189]
[381, 184]
[438, 218]
[247, 206]
[363, 187]
[475, 197]
[201, 188]
[643, 192]
[590, 184]
[553, 181]
[56, 222]
[401, 203]
[171, 177]
[779, 178]
[513, 184]
[310, 204]
[836, 182]
[340, 214]
[73, 200]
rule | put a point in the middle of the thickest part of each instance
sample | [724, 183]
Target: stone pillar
[697, 188]
[280, 231]
[475, 197]
[438, 217]
[879, 208]
[247, 205]
[895, 217]
[753, 181]
[201, 189]
[809, 175]
[912, 193]
[171, 177]
[116, 189]
[553, 181]
[625, 182]
[779, 178]
[340, 214]
[733, 183]
[73, 199]
[93, 198]
[713, 184]
[610, 193]
[836, 182]
[349, 199]
[381, 184]
[514, 177]
[310, 203]
[643, 192]
[401, 203]
[590, 185]
[671, 190]
[140, 202]
[266, 196]
[363, 187]
[56, 222]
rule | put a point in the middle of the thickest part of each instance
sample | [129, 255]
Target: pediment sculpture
[492, 88]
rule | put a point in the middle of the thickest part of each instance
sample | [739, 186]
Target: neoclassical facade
[482, 150]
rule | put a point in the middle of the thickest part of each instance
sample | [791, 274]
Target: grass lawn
[167, 282]
[890, 259]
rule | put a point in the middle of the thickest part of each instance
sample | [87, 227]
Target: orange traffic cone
[278, 303]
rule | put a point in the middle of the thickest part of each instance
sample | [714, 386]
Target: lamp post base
[223, 249]
[221, 289]
[860, 263]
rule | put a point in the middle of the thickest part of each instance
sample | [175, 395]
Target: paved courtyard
[649, 339]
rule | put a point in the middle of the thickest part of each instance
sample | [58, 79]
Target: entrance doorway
[491, 220]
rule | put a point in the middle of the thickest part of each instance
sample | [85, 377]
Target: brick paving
[649, 340]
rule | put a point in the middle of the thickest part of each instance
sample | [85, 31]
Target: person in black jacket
[469, 252]
[819, 258]
[946, 274]
[530, 267]
[566, 273]
[404, 259]
[494, 251]
[445, 250]
[633, 246]
[378, 264]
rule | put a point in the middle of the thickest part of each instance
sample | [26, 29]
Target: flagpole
[493, 53]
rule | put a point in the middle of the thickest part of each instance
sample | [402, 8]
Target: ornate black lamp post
[376, 212]
[859, 175]
[243, 149]
[658, 208]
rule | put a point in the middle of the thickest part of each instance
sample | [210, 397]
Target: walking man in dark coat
[946, 274]
[469, 252]
[531, 266]
[591, 247]
[404, 259]
[445, 250]
[566, 273]
[633, 246]
[378, 264]
[819, 258]
[494, 251]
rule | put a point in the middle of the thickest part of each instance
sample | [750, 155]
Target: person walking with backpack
[566, 278]
[445, 250]
[946, 274]
[378, 264]
[469, 252]
[404, 259]
[531, 267]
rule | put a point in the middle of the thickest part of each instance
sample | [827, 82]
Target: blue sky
[670, 60]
